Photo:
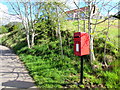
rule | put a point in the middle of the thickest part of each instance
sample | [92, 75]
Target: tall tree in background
[29, 13]
[90, 15]
[54, 12]
[92, 56]
[33, 12]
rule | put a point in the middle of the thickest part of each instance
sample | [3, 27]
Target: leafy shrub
[111, 80]
[99, 44]
[19, 45]
[3, 29]
[3, 39]
[23, 50]
[49, 69]
[53, 69]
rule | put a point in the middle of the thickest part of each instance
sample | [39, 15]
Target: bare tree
[90, 24]
[91, 13]
[58, 15]
[92, 56]
[28, 12]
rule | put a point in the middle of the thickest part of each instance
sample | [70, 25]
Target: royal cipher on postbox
[81, 43]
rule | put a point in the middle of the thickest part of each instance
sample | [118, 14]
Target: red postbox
[81, 43]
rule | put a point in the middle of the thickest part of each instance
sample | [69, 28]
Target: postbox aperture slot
[76, 36]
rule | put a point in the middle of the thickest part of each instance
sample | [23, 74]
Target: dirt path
[12, 72]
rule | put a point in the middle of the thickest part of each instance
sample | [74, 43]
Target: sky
[5, 17]
[5, 7]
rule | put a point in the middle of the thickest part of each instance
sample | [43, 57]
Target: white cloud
[3, 15]
[3, 8]
[71, 4]
[5, 18]
[112, 13]
[14, 18]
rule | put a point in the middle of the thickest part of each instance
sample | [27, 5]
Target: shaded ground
[12, 72]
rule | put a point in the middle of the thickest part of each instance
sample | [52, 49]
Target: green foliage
[17, 26]
[13, 26]
[23, 50]
[15, 39]
[49, 69]
[45, 30]
[111, 80]
[92, 79]
[99, 45]
[19, 45]
[3, 29]
[82, 86]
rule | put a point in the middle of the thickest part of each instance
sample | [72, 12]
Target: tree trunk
[28, 39]
[84, 25]
[59, 33]
[92, 56]
[104, 59]
[33, 39]
[78, 22]
[60, 37]
[56, 31]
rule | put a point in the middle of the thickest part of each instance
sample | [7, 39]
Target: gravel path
[12, 71]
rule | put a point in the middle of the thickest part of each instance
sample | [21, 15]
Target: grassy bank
[50, 70]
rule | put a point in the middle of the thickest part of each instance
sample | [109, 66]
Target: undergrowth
[50, 70]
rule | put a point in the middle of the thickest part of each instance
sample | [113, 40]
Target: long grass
[101, 28]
